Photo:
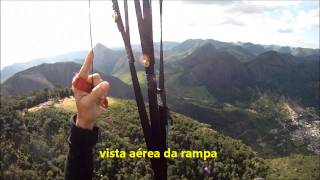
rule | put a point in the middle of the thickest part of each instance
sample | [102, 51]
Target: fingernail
[106, 84]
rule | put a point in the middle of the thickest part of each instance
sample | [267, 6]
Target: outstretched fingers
[84, 71]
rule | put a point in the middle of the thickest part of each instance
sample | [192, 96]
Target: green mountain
[10, 70]
[104, 58]
[34, 146]
[248, 101]
[287, 75]
[295, 51]
[48, 76]
[222, 73]
[188, 46]
[230, 80]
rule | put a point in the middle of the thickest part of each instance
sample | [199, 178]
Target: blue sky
[34, 29]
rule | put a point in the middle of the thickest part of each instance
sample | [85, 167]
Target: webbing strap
[136, 86]
[164, 111]
[146, 38]
[154, 133]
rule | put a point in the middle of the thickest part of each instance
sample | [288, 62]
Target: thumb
[100, 90]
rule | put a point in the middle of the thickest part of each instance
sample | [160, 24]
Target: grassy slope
[295, 167]
[126, 78]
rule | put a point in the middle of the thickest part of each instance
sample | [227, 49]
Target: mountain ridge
[243, 51]
[57, 74]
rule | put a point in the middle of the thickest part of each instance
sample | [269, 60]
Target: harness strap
[155, 132]
[136, 86]
[164, 111]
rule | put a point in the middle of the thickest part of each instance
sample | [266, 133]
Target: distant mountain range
[104, 59]
[10, 70]
[173, 50]
[57, 74]
[237, 71]
[227, 78]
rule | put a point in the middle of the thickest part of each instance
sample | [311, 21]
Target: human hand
[88, 104]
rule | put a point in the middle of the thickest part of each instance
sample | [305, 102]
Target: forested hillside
[34, 146]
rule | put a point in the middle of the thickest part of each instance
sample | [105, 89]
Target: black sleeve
[79, 163]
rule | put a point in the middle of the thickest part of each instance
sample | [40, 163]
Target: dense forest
[34, 145]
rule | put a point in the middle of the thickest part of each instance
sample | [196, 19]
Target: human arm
[83, 133]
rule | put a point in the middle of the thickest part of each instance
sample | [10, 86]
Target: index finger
[84, 71]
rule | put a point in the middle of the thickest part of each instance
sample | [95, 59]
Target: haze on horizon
[35, 29]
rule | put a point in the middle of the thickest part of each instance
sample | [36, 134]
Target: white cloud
[286, 30]
[31, 29]
[232, 21]
[307, 19]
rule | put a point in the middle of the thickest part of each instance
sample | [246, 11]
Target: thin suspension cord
[91, 42]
